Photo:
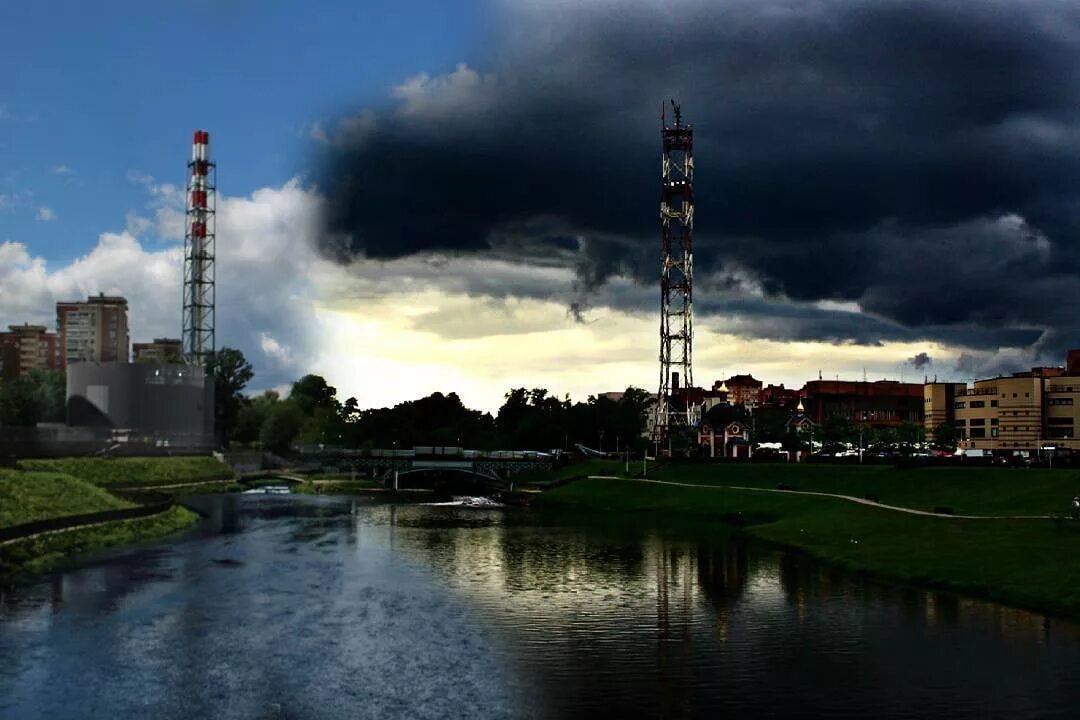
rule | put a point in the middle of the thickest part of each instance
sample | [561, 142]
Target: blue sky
[94, 91]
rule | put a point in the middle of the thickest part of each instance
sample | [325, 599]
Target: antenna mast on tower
[198, 314]
[674, 409]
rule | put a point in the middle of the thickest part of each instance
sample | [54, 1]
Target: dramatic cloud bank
[267, 270]
[866, 172]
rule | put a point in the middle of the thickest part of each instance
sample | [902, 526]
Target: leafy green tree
[37, 397]
[50, 390]
[19, 402]
[945, 437]
[281, 426]
[253, 413]
[231, 372]
[312, 391]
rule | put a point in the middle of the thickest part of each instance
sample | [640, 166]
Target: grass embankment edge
[1034, 564]
[22, 559]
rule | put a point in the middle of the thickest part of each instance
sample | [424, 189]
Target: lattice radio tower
[198, 331]
[674, 410]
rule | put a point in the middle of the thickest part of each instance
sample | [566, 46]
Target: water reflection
[328, 607]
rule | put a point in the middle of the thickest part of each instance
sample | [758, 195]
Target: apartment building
[26, 347]
[93, 331]
[741, 390]
[161, 350]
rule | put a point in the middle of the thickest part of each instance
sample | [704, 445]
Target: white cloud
[318, 134]
[433, 95]
[349, 131]
[62, 170]
[266, 270]
[275, 351]
[45, 214]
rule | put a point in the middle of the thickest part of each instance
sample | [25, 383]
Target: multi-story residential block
[93, 331]
[741, 390]
[26, 347]
[161, 350]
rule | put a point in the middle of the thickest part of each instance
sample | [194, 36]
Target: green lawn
[545, 478]
[29, 496]
[1034, 563]
[135, 471]
[969, 491]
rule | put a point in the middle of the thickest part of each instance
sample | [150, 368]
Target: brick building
[741, 390]
[161, 350]
[93, 331]
[880, 404]
[26, 347]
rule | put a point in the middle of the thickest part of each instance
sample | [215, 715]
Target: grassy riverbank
[1031, 563]
[29, 496]
[135, 471]
[968, 491]
[47, 489]
[25, 558]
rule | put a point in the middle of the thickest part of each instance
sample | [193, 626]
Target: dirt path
[849, 498]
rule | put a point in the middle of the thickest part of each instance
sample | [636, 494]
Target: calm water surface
[293, 607]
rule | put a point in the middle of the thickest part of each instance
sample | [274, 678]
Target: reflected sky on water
[298, 607]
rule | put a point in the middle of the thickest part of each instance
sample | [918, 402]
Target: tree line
[312, 414]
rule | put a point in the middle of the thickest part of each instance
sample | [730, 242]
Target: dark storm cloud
[921, 158]
[921, 360]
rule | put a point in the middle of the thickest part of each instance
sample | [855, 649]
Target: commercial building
[26, 347]
[93, 331]
[1026, 412]
[162, 350]
[880, 404]
[939, 405]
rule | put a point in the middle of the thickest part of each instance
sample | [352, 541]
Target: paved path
[850, 498]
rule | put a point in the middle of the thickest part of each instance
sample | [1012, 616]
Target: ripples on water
[322, 608]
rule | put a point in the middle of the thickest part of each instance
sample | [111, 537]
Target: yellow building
[1026, 412]
[938, 402]
[1062, 413]
[1002, 413]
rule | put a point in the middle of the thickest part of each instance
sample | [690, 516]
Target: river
[314, 607]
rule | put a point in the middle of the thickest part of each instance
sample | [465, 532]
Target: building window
[993, 403]
[1014, 394]
[977, 421]
[1027, 394]
[958, 406]
[978, 433]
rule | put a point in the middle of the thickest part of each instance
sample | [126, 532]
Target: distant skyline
[462, 197]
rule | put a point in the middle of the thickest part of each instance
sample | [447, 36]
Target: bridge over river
[491, 467]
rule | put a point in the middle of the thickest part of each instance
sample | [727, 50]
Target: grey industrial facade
[172, 402]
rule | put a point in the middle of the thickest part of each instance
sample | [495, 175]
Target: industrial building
[27, 347]
[93, 331]
[143, 401]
